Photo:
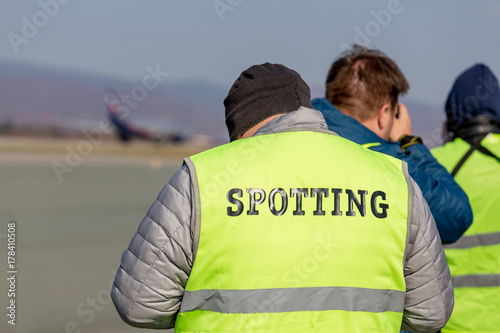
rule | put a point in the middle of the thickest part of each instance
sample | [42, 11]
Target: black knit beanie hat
[261, 92]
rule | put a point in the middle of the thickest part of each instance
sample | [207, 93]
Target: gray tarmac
[70, 235]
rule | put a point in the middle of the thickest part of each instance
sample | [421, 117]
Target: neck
[254, 129]
[373, 125]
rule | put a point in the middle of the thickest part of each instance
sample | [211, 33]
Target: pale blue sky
[432, 41]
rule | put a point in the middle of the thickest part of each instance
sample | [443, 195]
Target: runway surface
[70, 235]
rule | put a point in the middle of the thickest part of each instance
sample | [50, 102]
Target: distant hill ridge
[28, 93]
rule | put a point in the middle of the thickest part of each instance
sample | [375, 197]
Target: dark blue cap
[474, 93]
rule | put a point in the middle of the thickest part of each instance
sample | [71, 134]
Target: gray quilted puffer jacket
[154, 270]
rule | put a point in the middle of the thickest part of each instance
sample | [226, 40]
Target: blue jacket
[448, 202]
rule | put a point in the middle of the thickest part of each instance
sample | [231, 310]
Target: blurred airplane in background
[150, 129]
[126, 127]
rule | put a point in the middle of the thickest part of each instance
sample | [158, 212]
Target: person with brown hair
[361, 104]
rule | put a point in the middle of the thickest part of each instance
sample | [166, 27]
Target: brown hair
[362, 80]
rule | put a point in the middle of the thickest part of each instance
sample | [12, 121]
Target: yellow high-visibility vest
[298, 231]
[474, 260]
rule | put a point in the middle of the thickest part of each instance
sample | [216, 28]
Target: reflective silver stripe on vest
[483, 280]
[467, 242]
[294, 299]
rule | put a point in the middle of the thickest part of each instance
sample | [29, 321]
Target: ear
[384, 116]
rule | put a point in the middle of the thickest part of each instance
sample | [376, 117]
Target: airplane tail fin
[126, 129]
[115, 115]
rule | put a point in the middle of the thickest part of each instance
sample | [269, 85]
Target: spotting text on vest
[258, 196]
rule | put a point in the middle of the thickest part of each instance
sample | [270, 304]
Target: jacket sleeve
[150, 282]
[429, 292]
[448, 202]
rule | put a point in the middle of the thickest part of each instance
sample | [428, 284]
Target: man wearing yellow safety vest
[473, 158]
[288, 228]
